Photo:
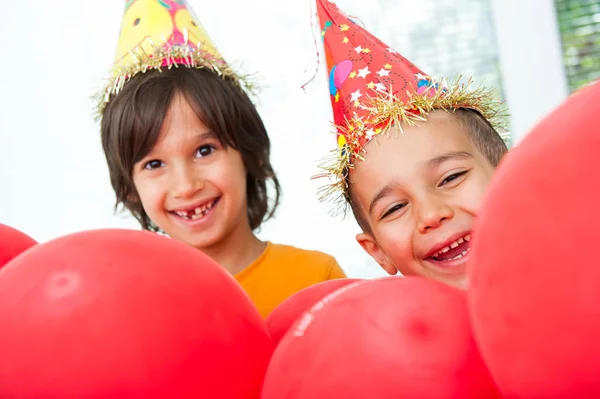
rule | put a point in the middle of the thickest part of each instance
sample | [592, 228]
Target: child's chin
[461, 283]
[450, 272]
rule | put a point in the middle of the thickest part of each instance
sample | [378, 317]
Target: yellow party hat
[159, 34]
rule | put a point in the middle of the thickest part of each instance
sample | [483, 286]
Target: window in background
[448, 38]
[579, 22]
[452, 37]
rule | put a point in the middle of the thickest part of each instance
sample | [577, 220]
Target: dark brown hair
[481, 133]
[132, 120]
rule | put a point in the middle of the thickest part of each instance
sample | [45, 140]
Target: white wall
[53, 177]
[531, 61]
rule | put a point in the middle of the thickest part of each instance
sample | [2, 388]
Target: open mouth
[454, 251]
[198, 212]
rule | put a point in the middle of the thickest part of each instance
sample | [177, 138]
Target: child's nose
[432, 215]
[185, 184]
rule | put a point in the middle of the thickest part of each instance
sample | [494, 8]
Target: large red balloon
[12, 243]
[126, 314]
[535, 275]
[387, 338]
[284, 315]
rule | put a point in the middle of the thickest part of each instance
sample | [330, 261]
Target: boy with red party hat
[414, 155]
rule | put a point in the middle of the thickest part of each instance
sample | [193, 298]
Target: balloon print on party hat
[159, 34]
[372, 87]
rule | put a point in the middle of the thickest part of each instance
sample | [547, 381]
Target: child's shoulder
[304, 264]
[301, 255]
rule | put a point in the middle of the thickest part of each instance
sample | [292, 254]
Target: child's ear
[368, 243]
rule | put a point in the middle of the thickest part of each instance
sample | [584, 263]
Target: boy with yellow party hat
[189, 155]
[414, 156]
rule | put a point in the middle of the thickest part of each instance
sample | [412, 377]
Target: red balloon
[126, 314]
[386, 338]
[12, 243]
[284, 315]
[534, 295]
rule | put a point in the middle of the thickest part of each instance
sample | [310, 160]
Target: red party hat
[373, 87]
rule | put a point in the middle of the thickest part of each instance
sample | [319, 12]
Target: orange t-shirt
[281, 271]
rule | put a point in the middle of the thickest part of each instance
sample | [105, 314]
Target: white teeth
[196, 213]
[197, 216]
[455, 244]
[461, 254]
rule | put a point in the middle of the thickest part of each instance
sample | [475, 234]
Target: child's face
[190, 185]
[420, 192]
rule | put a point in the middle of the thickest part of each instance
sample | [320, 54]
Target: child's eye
[393, 209]
[154, 164]
[205, 150]
[452, 177]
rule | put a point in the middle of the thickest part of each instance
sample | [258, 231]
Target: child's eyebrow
[207, 135]
[449, 156]
[196, 138]
[387, 189]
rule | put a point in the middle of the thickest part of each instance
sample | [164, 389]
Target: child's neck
[238, 251]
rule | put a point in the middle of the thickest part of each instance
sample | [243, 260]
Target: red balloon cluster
[120, 313]
[387, 338]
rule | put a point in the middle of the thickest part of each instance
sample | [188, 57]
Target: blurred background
[55, 55]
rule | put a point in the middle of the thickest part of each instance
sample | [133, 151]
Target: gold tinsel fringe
[185, 55]
[386, 110]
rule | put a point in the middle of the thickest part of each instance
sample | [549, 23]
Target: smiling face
[419, 193]
[191, 185]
